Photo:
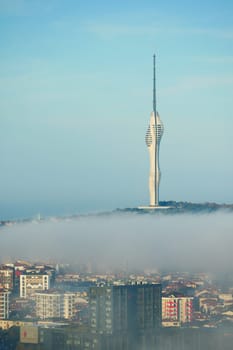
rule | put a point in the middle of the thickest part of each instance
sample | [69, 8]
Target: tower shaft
[153, 138]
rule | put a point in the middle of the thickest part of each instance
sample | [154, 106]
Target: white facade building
[31, 283]
[4, 304]
[51, 304]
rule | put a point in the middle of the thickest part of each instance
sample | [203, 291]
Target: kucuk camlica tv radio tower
[153, 138]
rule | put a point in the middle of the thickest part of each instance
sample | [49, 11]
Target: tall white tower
[153, 138]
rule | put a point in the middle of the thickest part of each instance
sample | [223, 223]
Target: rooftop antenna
[154, 86]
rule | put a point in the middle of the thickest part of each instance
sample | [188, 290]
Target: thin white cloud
[216, 33]
[214, 59]
[110, 29]
[199, 82]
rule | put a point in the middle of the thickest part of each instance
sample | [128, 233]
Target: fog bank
[182, 241]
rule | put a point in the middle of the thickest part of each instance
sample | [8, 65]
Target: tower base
[153, 207]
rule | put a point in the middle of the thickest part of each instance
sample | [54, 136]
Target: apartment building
[53, 305]
[177, 309]
[31, 283]
[4, 304]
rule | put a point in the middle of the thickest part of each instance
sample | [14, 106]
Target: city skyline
[121, 310]
[75, 87]
[82, 266]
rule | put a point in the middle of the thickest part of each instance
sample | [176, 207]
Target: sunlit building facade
[55, 305]
[6, 277]
[4, 304]
[177, 309]
[32, 282]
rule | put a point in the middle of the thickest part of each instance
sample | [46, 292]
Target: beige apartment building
[52, 304]
[6, 277]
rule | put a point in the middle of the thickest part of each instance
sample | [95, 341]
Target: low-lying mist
[181, 242]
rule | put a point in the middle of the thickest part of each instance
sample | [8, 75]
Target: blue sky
[76, 95]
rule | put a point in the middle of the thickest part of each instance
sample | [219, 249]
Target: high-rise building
[153, 137]
[4, 304]
[126, 308]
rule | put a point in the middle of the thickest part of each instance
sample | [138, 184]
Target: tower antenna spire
[154, 85]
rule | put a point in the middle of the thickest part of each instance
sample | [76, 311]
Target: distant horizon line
[179, 206]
